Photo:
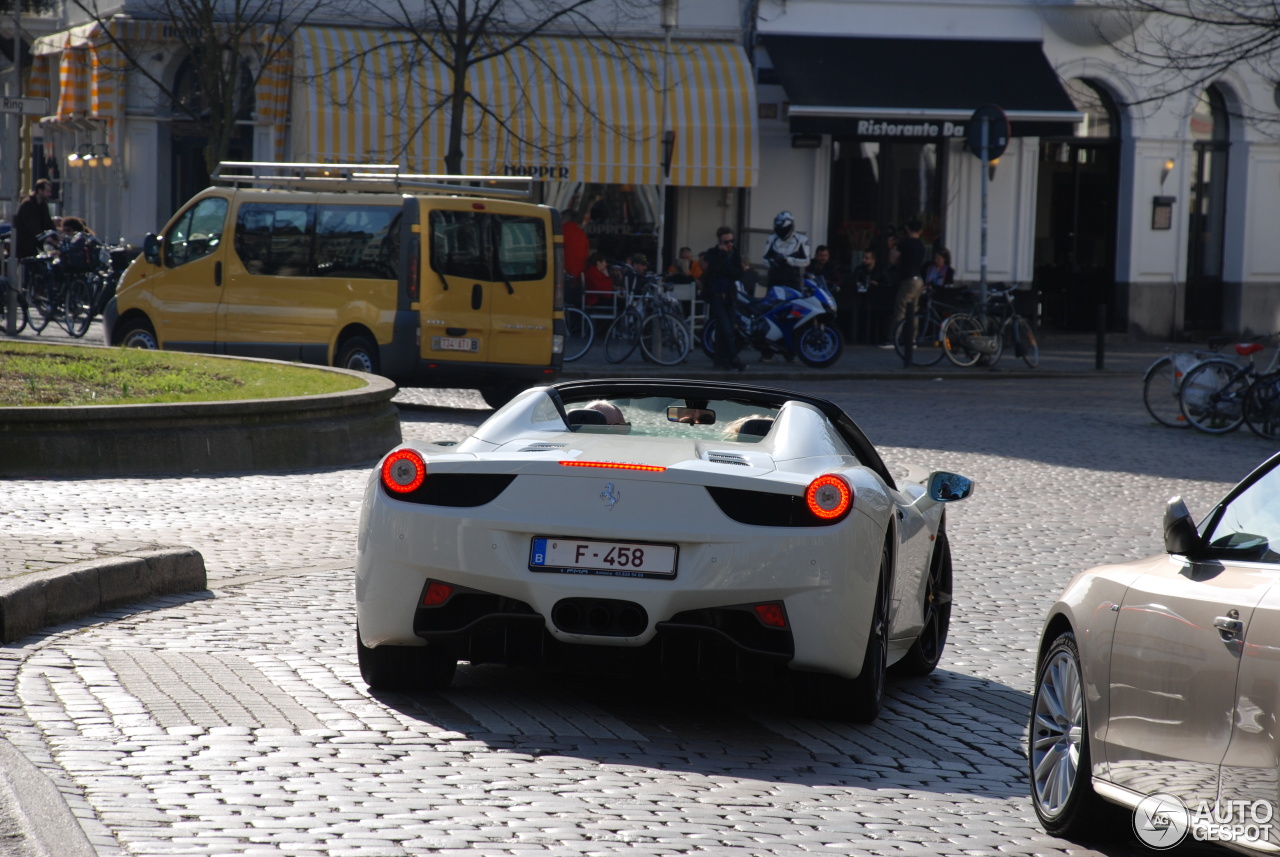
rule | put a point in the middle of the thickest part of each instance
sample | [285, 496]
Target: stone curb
[52, 596]
[31, 800]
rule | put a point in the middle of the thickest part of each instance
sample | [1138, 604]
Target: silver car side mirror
[1180, 534]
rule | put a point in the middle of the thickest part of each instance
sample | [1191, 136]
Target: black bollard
[1100, 354]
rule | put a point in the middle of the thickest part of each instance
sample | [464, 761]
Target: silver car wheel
[1057, 730]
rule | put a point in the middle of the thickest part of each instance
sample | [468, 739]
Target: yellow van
[441, 281]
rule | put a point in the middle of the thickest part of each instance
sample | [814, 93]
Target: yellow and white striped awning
[91, 71]
[563, 110]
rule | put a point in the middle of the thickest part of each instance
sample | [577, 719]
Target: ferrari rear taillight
[829, 497]
[403, 471]
[436, 593]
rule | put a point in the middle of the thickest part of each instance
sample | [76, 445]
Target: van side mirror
[151, 248]
[1180, 534]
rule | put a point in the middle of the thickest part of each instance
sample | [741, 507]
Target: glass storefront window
[877, 187]
[620, 220]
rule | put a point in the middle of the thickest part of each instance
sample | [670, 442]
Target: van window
[274, 238]
[460, 245]
[522, 247]
[360, 241]
[197, 232]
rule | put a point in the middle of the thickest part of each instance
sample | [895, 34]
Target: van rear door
[458, 285]
[521, 319]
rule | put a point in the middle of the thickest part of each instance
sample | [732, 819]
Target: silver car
[1158, 683]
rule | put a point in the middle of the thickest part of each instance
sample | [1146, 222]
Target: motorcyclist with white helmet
[786, 252]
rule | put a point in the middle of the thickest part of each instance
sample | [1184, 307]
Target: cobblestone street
[234, 721]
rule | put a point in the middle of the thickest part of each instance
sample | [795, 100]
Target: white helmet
[784, 225]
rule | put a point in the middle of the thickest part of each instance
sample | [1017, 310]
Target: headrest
[758, 428]
[586, 417]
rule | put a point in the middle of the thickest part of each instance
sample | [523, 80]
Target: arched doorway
[1210, 132]
[1076, 200]
[188, 137]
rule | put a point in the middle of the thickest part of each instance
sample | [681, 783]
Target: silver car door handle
[1228, 628]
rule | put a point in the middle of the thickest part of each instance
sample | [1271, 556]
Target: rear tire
[20, 316]
[664, 339]
[358, 353]
[1024, 338]
[1212, 396]
[956, 332]
[405, 667]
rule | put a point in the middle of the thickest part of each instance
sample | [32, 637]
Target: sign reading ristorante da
[890, 128]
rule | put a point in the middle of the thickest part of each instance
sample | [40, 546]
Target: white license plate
[454, 343]
[610, 559]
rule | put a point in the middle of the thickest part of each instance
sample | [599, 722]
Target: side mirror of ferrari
[1180, 534]
[947, 487]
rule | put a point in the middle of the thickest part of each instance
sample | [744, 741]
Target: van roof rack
[365, 178]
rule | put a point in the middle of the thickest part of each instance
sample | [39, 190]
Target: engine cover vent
[728, 458]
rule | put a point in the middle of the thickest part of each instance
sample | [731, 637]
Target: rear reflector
[403, 471]
[615, 465]
[772, 615]
[436, 594]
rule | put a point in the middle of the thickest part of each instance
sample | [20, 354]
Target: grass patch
[32, 374]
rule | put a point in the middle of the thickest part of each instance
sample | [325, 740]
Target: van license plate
[454, 343]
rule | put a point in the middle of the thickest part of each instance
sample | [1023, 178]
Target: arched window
[1101, 119]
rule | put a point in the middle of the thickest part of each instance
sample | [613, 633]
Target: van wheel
[358, 353]
[137, 333]
[496, 397]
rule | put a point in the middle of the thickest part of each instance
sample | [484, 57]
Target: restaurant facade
[1147, 217]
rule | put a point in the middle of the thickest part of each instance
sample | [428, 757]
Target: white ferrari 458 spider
[677, 525]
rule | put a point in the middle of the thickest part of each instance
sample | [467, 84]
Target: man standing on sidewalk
[910, 284]
[32, 218]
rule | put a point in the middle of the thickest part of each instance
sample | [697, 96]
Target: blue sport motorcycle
[787, 321]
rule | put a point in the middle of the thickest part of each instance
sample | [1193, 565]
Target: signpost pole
[14, 160]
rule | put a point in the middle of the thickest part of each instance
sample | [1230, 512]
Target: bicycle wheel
[622, 337]
[20, 316]
[1212, 396]
[77, 307]
[39, 295]
[1160, 388]
[579, 332]
[928, 350]
[1023, 335]
[664, 339]
[1262, 406]
[958, 340]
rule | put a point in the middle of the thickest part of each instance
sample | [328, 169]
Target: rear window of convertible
[720, 420]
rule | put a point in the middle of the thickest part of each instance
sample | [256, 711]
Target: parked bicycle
[653, 321]
[71, 282]
[982, 335]
[1162, 382]
[1214, 392]
[930, 314]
